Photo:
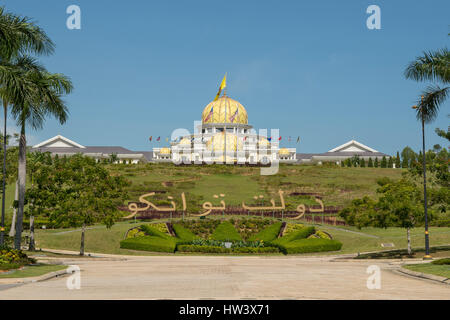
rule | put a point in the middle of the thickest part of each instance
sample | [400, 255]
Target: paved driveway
[214, 277]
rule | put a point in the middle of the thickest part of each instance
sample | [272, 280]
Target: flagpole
[225, 134]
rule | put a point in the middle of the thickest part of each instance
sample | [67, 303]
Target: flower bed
[13, 259]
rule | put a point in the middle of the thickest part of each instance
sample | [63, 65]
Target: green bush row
[226, 232]
[183, 233]
[267, 234]
[445, 261]
[217, 249]
[308, 245]
[149, 243]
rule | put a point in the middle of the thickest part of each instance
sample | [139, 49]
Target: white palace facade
[225, 136]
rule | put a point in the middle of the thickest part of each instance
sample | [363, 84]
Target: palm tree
[18, 35]
[433, 66]
[40, 95]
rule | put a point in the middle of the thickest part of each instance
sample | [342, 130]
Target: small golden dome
[214, 112]
[217, 142]
[264, 142]
[164, 151]
[283, 152]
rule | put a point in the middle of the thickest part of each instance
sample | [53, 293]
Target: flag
[167, 139]
[245, 138]
[279, 139]
[159, 138]
[150, 138]
[223, 85]
[289, 139]
[234, 115]
[270, 139]
[210, 114]
[298, 139]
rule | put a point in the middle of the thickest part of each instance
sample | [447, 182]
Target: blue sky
[310, 68]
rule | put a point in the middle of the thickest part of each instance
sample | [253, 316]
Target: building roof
[63, 146]
[353, 146]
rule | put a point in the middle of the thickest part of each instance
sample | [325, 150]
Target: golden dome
[236, 112]
[164, 151]
[283, 152]
[185, 141]
[217, 142]
[264, 142]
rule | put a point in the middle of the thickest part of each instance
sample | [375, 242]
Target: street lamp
[424, 166]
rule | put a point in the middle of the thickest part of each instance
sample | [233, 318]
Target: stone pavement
[219, 277]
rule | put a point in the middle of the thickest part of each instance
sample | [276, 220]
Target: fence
[328, 217]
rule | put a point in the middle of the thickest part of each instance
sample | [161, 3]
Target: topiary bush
[150, 231]
[183, 233]
[445, 261]
[303, 233]
[268, 234]
[309, 245]
[226, 232]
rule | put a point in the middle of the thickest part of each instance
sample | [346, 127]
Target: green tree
[370, 163]
[383, 162]
[40, 96]
[443, 134]
[390, 163]
[431, 66]
[408, 156]
[18, 35]
[77, 191]
[348, 162]
[397, 161]
[363, 163]
[375, 164]
[399, 205]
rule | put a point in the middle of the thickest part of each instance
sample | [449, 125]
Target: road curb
[422, 275]
[43, 277]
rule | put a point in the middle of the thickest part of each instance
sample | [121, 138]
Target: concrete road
[214, 277]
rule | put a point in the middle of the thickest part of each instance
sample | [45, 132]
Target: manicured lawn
[438, 270]
[33, 271]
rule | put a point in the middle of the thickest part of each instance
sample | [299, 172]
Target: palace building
[225, 136]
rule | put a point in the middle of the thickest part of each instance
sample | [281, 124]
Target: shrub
[149, 243]
[219, 249]
[300, 234]
[135, 232]
[13, 259]
[183, 233]
[323, 235]
[309, 245]
[268, 234]
[150, 231]
[292, 227]
[226, 232]
[445, 261]
[162, 227]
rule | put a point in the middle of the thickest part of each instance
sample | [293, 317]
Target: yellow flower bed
[292, 227]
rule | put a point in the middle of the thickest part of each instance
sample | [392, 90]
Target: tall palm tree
[432, 66]
[40, 96]
[18, 35]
